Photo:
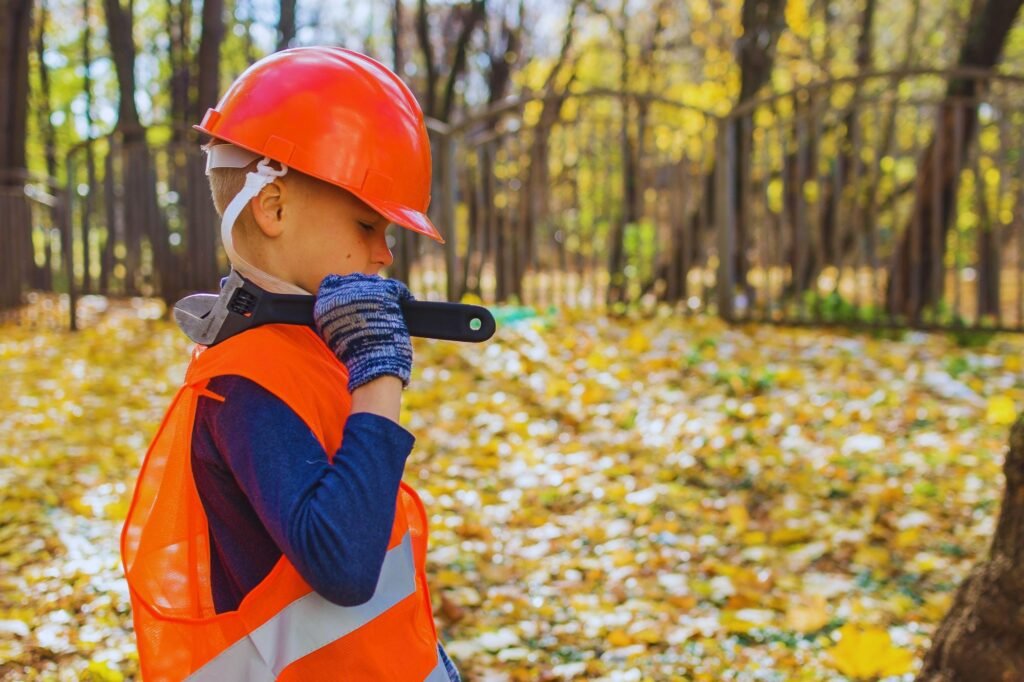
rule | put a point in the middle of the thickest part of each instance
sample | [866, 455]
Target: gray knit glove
[359, 318]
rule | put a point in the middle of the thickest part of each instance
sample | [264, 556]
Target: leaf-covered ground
[659, 499]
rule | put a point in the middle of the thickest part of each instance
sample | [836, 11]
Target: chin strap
[254, 183]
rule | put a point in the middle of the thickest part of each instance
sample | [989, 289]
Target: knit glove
[359, 318]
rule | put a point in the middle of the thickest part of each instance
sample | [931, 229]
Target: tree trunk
[763, 22]
[404, 239]
[201, 240]
[142, 214]
[981, 639]
[837, 239]
[122, 48]
[15, 217]
[43, 277]
[179, 60]
[466, 16]
[90, 157]
[915, 267]
[628, 158]
[429, 66]
[536, 183]
[285, 24]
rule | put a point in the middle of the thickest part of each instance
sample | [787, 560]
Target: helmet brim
[406, 217]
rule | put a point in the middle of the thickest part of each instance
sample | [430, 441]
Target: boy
[270, 535]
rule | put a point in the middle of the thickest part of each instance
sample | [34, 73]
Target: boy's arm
[332, 520]
[381, 396]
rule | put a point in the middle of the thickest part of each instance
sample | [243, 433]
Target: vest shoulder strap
[291, 362]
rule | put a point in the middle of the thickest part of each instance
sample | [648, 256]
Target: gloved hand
[359, 318]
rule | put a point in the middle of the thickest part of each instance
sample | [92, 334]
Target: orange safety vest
[282, 630]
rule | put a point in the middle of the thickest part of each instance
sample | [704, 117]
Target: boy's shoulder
[270, 343]
[270, 354]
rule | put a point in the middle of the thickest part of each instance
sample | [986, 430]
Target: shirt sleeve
[332, 520]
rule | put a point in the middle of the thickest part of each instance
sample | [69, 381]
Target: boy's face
[311, 229]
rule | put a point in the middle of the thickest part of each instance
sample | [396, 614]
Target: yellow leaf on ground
[738, 517]
[809, 616]
[619, 638]
[868, 653]
[99, 671]
[1001, 411]
[638, 342]
[873, 556]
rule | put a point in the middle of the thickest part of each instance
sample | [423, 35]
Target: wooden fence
[888, 199]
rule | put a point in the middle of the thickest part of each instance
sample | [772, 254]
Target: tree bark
[631, 144]
[122, 48]
[90, 157]
[285, 24]
[142, 214]
[473, 15]
[763, 23]
[405, 240]
[179, 60]
[981, 639]
[15, 218]
[537, 182]
[460, 25]
[837, 241]
[429, 66]
[201, 239]
[42, 278]
[914, 267]
[517, 229]
[397, 56]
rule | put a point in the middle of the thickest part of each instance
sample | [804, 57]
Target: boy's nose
[381, 253]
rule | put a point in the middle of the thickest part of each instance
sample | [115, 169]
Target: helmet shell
[338, 116]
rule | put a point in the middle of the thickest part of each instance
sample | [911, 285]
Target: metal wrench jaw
[202, 316]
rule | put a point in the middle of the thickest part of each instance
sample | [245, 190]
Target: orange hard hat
[338, 116]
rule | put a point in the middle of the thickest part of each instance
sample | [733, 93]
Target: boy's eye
[366, 226]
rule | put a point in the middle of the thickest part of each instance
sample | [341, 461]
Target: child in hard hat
[271, 536]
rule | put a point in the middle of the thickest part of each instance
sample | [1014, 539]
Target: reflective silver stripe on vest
[439, 673]
[312, 622]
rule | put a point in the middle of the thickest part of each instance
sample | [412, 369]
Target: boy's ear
[268, 209]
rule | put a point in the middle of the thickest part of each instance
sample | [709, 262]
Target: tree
[457, 28]
[763, 22]
[90, 157]
[503, 48]
[917, 271]
[286, 23]
[981, 639]
[42, 277]
[15, 218]
[836, 238]
[509, 238]
[554, 91]
[202, 237]
[631, 139]
[458, 25]
[142, 215]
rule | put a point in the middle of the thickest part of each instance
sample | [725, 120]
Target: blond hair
[225, 184]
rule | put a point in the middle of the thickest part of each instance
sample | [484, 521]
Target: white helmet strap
[230, 156]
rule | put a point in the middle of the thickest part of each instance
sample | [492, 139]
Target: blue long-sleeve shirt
[267, 487]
